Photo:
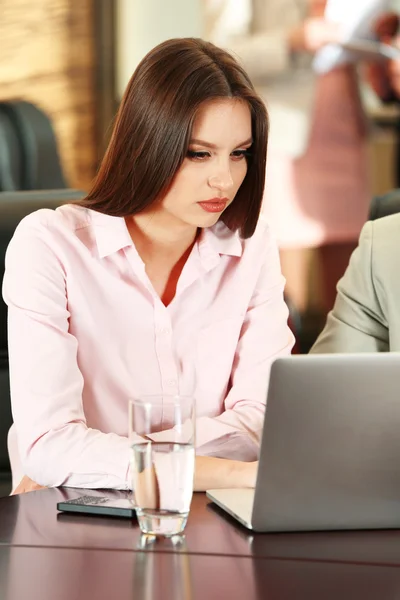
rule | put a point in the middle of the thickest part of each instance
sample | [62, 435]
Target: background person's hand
[394, 73]
[26, 485]
[316, 8]
[313, 34]
[386, 26]
[384, 77]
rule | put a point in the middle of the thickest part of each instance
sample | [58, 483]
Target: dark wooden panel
[32, 520]
[47, 57]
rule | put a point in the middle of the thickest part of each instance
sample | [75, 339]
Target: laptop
[330, 450]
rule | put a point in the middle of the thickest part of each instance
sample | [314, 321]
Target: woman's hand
[219, 473]
[26, 485]
[313, 34]
[252, 470]
[247, 474]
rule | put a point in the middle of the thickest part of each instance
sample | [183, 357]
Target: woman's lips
[213, 206]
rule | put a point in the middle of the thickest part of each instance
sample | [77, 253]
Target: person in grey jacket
[366, 315]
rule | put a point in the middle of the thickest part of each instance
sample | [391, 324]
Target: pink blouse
[87, 332]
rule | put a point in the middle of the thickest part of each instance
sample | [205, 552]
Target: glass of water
[162, 440]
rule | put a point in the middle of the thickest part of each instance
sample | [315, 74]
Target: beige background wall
[142, 24]
[47, 57]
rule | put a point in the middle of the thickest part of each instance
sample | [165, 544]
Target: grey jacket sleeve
[356, 323]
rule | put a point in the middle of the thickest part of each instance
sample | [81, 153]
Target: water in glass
[163, 475]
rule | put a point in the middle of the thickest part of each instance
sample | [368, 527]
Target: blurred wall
[47, 57]
[142, 24]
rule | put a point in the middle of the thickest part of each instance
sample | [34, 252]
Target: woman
[161, 281]
[317, 190]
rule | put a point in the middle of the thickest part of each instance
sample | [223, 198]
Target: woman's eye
[202, 155]
[193, 155]
[240, 154]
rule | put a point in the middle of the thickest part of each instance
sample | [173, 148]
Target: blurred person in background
[317, 189]
[365, 317]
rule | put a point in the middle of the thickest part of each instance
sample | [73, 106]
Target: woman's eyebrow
[213, 146]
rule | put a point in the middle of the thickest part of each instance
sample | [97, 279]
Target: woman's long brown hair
[153, 127]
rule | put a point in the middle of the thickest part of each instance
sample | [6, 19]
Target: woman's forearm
[212, 473]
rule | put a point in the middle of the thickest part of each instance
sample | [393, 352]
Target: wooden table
[48, 555]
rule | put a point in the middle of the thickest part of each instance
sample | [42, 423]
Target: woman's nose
[222, 181]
